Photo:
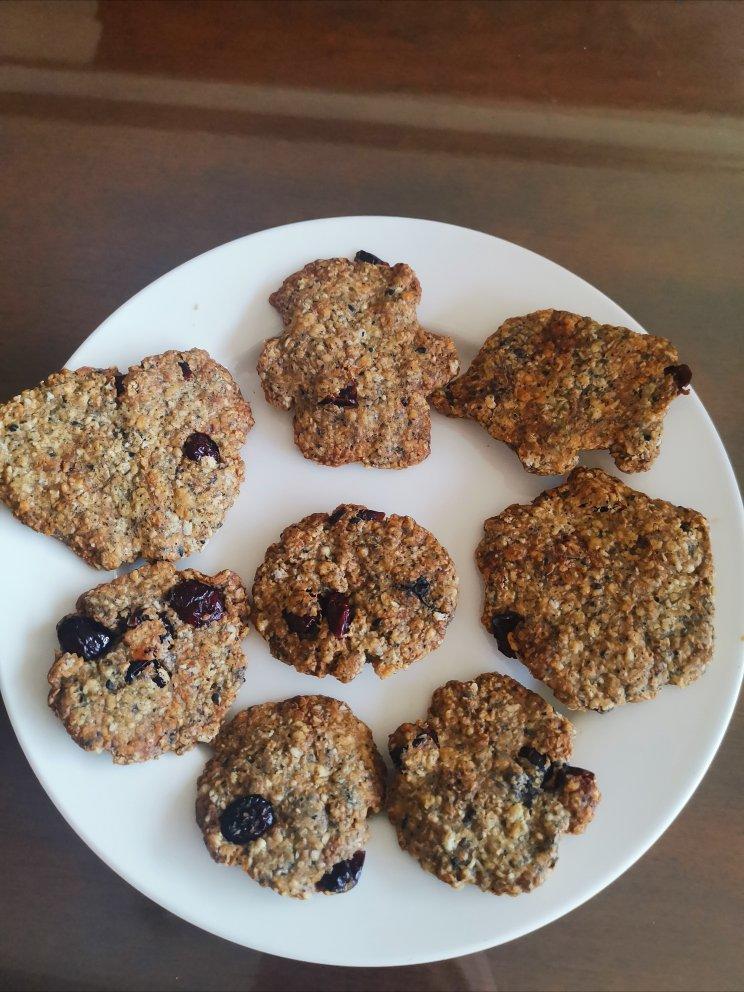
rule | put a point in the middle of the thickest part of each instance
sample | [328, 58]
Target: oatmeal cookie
[354, 362]
[150, 662]
[121, 466]
[354, 586]
[482, 791]
[605, 594]
[552, 384]
[287, 795]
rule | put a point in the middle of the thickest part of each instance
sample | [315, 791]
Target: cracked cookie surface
[121, 466]
[287, 795]
[605, 594]
[482, 791]
[150, 662]
[551, 384]
[352, 587]
[354, 363]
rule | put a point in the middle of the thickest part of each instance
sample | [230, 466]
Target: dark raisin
[336, 609]
[556, 775]
[135, 619]
[365, 514]
[119, 383]
[136, 668]
[169, 633]
[81, 635]
[197, 603]
[682, 375]
[405, 401]
[12, 428]
[535, 757]
[469, 815]
[421, 350]
[110, 685]
[397, 753]
[305, 627]
[685, 527]
[216, 698]
[367, 256]
[246, 819]
[343, 876]
[186, 370]
[502, 624]
[418, 741]
[420, 588]
[347, 396]
[199, 445]
[336, 515]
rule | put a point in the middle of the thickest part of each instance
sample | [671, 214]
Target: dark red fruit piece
[163, 617]
[135, 618]
[535, 757]
[418, 741]
[119, 383]
[367, 256]
[336, 515]
[136, 668]
[347, 396]
[420, 589]
[556, 775]
[682, 375]
[186, 370]
[336, 609]
[306, 628]
[502, 624]
[199, 445]
[365, 514]
[197, 603]
[81, 635]
[343, 876]
[246, 819]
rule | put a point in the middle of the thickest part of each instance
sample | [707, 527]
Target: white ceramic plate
[648, 757]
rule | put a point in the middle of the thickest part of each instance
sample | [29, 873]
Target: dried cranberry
[367, 256]
[119, 383]
[186, 370]
[199, 445]
[502, 624]
[347, 396]
[535, 757]
[556, 775]
[365, 514]
[81, 635]
[136, 668]
[197, 603]
[305, 627]
[336, 609]
[682, 375]
[246, 819]
[337, 514]
[343, 876]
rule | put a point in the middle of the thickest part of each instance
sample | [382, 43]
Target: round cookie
[352, 587]
[150, 662]
[482, 790]
[354, 363]
[287, 795]
[551, 384]
[605, 594]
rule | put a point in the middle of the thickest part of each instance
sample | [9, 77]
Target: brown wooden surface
[606, 136]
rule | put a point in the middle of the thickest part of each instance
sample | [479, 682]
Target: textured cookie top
[354, 363]
[287, 795]
[482, 791]
[604, 594]
[352, 587]
[552, 384]
[126, 466]
[150, 662]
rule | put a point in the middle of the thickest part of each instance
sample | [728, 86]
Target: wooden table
[605, 136]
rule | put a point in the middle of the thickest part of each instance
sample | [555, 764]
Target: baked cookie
[483, 791]
[354, 362]
[150, 662]
[552, 384]
[604, 594]
[354, 586]
[287, 795]
[122, 466]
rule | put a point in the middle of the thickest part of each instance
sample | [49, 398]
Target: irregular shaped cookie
[119, 467]
[354, 362]
[483, 791]
[552, 384]
[604, 594]
[352, 587]
[287, 795]
[150, 662]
